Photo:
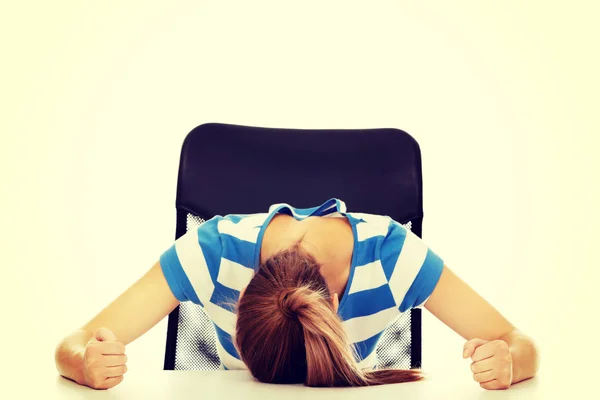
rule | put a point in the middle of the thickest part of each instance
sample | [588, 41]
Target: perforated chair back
[232, 169]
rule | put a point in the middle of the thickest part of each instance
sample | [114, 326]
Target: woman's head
[288, 331]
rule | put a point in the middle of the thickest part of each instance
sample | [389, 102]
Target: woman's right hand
[104, 360]
[99, 362]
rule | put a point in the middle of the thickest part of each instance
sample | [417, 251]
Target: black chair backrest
[232, 169]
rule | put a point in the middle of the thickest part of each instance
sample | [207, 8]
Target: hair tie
[283, 304]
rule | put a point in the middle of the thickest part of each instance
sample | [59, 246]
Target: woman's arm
[463, 310]
[129, 316]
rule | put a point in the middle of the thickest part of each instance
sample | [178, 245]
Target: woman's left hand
[492, 364]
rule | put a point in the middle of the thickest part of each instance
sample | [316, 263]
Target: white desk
[198, 385]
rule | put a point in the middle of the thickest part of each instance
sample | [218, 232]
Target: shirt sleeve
[412, 268]
[190, 265]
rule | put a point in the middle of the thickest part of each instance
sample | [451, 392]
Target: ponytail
[330, 360]
[288, 332]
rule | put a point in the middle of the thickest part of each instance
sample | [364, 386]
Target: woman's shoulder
[235, 226]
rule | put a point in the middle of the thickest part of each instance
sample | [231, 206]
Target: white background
[97, 98]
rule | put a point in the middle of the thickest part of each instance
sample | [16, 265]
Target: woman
[301, 295]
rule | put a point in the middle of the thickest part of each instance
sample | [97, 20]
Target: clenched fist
[492, 363]
[104, 360]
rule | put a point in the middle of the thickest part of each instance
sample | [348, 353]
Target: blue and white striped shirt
[392, 271]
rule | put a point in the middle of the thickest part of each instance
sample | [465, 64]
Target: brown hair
[287, 330]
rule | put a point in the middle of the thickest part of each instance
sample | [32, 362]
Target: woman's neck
[329, 240]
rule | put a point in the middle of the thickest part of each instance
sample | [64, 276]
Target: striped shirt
[392, 271]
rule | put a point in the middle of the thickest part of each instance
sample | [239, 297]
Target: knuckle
[91, 348]
[92, 363]
[96, 383]
[503, 385]
[502, 347]
[94, 353]
[97, 376]
[92, 368]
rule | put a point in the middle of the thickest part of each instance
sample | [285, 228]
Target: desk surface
[239, 384]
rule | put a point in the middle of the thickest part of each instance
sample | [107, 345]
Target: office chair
[376, 171]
